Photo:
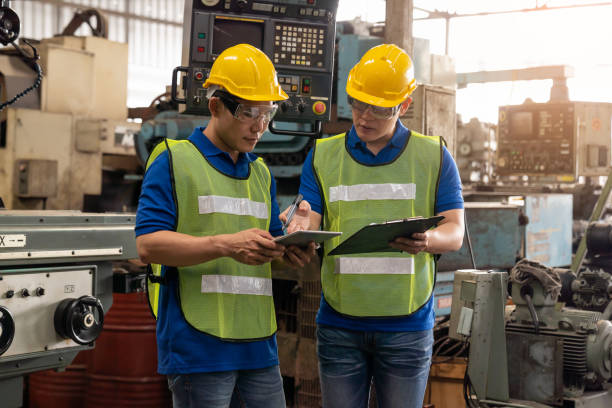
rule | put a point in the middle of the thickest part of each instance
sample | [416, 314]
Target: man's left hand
[416, 243]
[297, 257]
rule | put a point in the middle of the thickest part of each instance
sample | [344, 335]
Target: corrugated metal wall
[152, 28]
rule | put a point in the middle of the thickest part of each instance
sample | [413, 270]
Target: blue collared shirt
[448, 198]
[180, 348]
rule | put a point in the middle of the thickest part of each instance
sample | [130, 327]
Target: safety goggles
[245, 113]
[377, 111]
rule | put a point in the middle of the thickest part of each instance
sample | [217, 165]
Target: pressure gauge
[210, 3]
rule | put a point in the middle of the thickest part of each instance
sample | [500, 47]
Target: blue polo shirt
[181, 349]
[448, 198]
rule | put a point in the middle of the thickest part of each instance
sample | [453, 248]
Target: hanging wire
[469, 241]
[33, 62]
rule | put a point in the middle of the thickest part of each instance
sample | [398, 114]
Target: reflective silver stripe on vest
[375, 266]
[360, 192]
[238, 285]
[231, 205]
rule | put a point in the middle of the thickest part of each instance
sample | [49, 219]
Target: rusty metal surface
[535, 368]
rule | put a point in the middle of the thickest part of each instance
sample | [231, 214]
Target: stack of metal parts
[56, 284]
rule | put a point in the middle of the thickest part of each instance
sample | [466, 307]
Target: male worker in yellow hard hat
[376, 315]
[206, 220]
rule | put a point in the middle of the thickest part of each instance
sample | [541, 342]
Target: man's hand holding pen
[300, 219]
[297, 218]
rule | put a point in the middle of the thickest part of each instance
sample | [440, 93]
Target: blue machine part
[548, 235]
[170, 124]
[284, 154]
[443, 293]
[351, 48]
[495, 233]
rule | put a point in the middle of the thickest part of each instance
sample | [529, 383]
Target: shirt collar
[204, 145]
[398, 140]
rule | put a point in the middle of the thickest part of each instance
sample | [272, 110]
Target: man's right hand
[252, 247]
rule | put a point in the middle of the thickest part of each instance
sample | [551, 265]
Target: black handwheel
[79, 319]
[7, 329]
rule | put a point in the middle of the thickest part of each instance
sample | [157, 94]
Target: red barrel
[65, 389]
[123, 368]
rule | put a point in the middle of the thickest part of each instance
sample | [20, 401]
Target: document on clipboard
[376, 237]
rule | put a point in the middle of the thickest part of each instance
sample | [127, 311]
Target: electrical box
[35, 178]
[558, 141]
[109, 71]
[432, 112]
[479, 298]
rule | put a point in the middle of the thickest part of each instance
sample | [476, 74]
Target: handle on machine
[174, 93]
[315, 133]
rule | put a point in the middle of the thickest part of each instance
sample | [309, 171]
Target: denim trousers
[261, 388]
[397, 363]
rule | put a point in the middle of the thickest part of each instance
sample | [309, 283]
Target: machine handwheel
[7, 329]
[79, 319]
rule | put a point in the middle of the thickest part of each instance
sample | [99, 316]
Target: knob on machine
[7, 329]
[79, 319]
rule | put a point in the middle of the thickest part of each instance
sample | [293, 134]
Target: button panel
[299, 44]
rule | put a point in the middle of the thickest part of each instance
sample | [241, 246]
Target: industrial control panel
[556, 140]
[297, 35]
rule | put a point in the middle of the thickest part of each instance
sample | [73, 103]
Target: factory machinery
[544, 355]
[56, 284]
[506, 224]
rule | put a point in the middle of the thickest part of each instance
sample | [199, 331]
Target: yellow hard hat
[383, 77]
[246, 72]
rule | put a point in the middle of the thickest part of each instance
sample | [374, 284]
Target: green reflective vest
[222, 297]
[354, 195]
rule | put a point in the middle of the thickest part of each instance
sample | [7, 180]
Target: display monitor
[521, 124]
[228, 32]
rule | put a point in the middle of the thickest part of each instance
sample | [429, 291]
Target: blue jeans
[261, 388]
[396, 362]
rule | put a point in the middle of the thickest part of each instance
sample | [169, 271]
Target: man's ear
[405, 106]
[214, 106]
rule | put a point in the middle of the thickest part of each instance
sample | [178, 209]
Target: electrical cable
[32, 61]
[469, 241]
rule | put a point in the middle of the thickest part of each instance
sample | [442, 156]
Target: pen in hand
[292, 208]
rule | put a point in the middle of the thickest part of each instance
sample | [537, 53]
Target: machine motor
[556, 351]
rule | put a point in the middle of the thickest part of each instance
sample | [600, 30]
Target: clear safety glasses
[377, 111]
[245, 113]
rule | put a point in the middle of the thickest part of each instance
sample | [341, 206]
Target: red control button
[319, 108]
[306, 89]
[200, 49]
[199, 76]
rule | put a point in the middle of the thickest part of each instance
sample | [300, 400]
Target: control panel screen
[228, 32]
[521, 124]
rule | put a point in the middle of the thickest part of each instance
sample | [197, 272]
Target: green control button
[306, 81]
[201, 36]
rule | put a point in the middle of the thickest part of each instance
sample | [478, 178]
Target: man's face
[240, 131]
[373, 124]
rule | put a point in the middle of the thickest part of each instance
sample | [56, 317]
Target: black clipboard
[302, 238]
[376, 237]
